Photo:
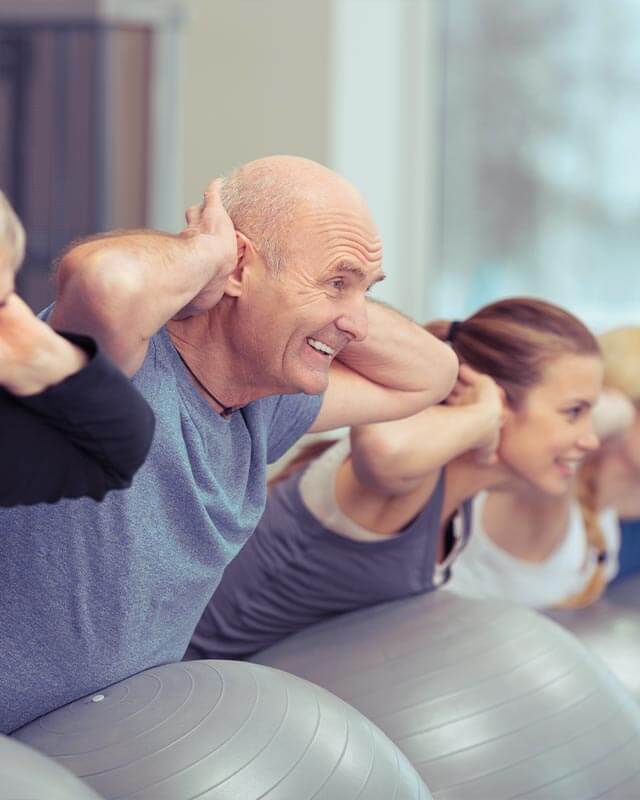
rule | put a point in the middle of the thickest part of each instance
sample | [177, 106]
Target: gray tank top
[294, 572]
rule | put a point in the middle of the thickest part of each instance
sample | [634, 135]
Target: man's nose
[354, 320]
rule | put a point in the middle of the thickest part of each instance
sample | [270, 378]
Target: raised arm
[397, 370]
[122, 288]
[396, 457]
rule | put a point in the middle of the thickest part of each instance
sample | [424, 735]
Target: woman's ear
[246, 252]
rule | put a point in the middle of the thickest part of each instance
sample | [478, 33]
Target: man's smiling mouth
[321, 347]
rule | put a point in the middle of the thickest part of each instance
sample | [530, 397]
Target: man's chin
[310, 383]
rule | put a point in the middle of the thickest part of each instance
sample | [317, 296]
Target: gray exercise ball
[28, 775]
[612, 632]
[486, 699]
[223, 730]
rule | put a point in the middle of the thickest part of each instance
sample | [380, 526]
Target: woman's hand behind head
[32, 355]
[474, 388]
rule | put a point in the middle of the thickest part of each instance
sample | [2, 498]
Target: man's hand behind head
[212, 235]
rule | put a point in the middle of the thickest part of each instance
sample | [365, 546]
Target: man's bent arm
[396, 371]
[121, 289]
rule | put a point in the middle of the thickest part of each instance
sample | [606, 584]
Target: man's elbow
[442, 374]
[95, 283]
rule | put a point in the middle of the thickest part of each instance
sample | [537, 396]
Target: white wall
[349, 83]
[256, 83]
[383, 134]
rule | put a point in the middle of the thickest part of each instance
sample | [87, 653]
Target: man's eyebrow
[354, 269]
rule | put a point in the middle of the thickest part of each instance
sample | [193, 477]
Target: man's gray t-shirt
[91, 593]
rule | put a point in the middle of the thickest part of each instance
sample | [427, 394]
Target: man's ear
[246, 252]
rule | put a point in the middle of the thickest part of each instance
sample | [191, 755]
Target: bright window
[539, 191]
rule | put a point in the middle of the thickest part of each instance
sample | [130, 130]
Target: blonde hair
[621, 354]
[12, 238]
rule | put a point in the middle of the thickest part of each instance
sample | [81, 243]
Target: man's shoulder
[287, 418]
[284, 408]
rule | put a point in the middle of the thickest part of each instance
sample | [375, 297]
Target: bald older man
[245, 332]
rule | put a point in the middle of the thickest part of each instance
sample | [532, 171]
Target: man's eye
[574, 412]
[338, 283]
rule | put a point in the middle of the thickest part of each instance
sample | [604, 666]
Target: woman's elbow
[377, 458]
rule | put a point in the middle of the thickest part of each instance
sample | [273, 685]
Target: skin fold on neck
[207, 349]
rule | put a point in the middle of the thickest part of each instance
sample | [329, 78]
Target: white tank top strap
[486, 570]
[318, 493]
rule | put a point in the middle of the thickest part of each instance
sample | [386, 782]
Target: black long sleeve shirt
[82, 437]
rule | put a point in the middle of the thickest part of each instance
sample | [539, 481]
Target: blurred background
[494, 139]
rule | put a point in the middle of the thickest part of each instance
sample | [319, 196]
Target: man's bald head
[265, 197]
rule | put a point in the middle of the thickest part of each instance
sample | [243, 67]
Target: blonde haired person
[561, 552]
[71, 424]
[384, 513]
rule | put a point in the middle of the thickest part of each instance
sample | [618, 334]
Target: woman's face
[544, 441]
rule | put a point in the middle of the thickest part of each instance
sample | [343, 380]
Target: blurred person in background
[71, 424]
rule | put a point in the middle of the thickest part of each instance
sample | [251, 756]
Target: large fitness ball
[223, 730]
[487, 700]
[28, 775]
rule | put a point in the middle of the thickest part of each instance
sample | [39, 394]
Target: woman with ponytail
[384, 512]
[546, 551]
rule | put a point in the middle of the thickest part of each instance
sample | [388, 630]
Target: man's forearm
[122, 288]
[134, 281]
[399, 354]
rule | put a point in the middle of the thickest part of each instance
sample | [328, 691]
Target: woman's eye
[573, 413]
[338, 283]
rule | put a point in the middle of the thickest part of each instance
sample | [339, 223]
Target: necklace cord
[227, 411]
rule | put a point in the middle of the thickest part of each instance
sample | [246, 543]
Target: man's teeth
[320, 346]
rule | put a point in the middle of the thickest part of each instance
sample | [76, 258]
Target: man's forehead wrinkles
[349, 224]
[371, 248]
